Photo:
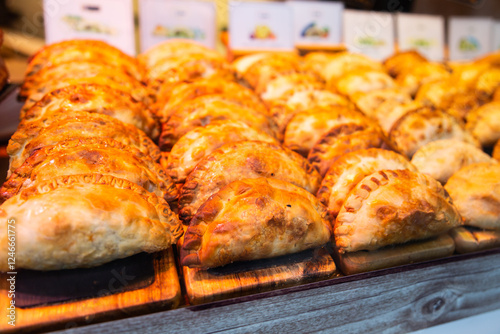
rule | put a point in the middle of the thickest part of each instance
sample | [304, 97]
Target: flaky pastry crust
[254, 219]
[241, 160]
[368, 102]
[346, 172]
[84, 221]
[361, 81]
[415, 76]
[345, 62]
[279, 86]
[484, 123]
[392, 207]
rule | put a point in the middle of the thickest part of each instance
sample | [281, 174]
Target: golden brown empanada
[253, 219]
[241, 64]
[294, 102]
[465, 75]
[345, 62]
[45, 79]
[392, 207]
[461, 104]
[496, 151]
[316, 62]
[91, 155]
[26, 140]
[83, 50]
[185, 91]
[475, 190]
[403, 61]
[171, 48]
[84, 221]
[307, 127]
[200, 142]
[423, 125]
[415, 76]
[442, 158]
[487, 83]
[279, 86]
[361, 81]
[390, 111]
[368, 102]
[95, 98]
[438, 93]
[206, 109]
[345, 173]
[242, 160]
[345, 138]
[484, 123]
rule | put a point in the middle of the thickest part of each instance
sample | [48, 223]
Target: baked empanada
[403, 61]
[475, 190]
[77, 50]
[421, 126]
[345, 138]
[316, 62]
[85, 221]
[26, 140]
[438, 93]
[283, 110]
[171, 48]
[242, 160]
[368, 102]
[270, 67]
[200, 142]
[392, 207]
[345, 173]
[390, 111]
[484, 123]
[423, 72]
[91, 155]
[95, 98]
[278, 87]
[442, 158]
[45, 79]
[361, 81]
[253, 219]
[185, 91]
[307, 127]
[206, 109]
[241, 64]
[487, 83]
[345, 62]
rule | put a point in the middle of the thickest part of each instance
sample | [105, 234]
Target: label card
[496, 36]
[258, 26]
[469, 38]
[425, 33]
[160, 20]
[369, 33]
[317, 23]
[111, 21]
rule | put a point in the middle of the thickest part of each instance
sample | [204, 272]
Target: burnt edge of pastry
[190, 188]
[161, 205]
[15, 182]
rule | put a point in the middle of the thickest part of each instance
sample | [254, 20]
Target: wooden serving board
[44, 307]
[239, 279]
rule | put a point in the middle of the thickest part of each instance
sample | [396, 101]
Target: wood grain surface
[164, 293]
[395, 300]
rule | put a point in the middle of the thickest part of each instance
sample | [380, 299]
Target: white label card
[260, 26]
[469, 38]
[111, 21]
[496, 36]
[160, 20]
[425, 33]
[317, 23]
[369, 33]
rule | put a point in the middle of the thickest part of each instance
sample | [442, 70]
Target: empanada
[283, 110]
[403, 61]
[95, 98]
[253, 219]
[423, 72]
[242, 160]
[487, 83]
[77, 50]
[390, 111]
[45, 79]
[241, 64]
[345, 138]
[361, 81]
[420, 126]
[307, 127]
[278, 87]
[345, 173]
[442, 158]
[91, 155]
[484, 123]
[26, 140]
[200, 142]
[438, 93]
[392, 207]
[345, 62]
[185, 91]
[316, 62]
[206, 109]
[84, 221]
[171, 48]
[475, 190]
[368, 102]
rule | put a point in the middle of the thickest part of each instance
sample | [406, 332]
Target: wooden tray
[162, 292]
[241, 279]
